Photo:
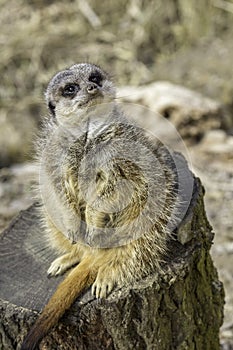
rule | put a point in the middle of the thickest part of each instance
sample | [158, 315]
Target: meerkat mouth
[91, 101]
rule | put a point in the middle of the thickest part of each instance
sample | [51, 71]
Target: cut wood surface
[180, 309]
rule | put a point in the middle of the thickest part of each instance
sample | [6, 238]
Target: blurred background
[139, 42]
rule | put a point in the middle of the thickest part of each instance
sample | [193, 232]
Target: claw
[56, 268]
[60, 265]
[100, 289]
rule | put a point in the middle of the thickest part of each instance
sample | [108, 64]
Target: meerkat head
[72, 91]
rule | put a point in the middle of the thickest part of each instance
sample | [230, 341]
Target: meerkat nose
[92, 88]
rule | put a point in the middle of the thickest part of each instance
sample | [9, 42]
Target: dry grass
[38, 37]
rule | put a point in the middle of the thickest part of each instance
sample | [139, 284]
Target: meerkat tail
[80, 278]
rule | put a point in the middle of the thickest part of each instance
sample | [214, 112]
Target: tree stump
[180, 309]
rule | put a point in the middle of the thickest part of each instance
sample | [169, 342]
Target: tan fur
[119, 252]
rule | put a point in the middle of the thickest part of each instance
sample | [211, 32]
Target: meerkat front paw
[100, 289]
[61, 264]
[103, 284]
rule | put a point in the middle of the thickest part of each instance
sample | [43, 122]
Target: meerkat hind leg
[63, 263]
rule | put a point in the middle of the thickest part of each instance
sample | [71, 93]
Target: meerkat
[109, 194]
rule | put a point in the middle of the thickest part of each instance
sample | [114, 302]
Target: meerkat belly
[55, 207]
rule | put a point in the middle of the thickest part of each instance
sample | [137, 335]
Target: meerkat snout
[92, 88]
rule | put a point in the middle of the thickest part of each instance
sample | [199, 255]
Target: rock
[191, 113]
[217, 142]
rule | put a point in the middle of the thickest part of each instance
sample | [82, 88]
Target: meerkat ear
[52, 106]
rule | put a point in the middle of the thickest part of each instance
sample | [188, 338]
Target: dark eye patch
[70, 90]
[96, 77]
[52, 107]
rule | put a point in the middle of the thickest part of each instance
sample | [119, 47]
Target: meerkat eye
[70, 90]
[96, 77]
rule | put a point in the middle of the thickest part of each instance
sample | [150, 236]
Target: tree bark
[180, 309]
